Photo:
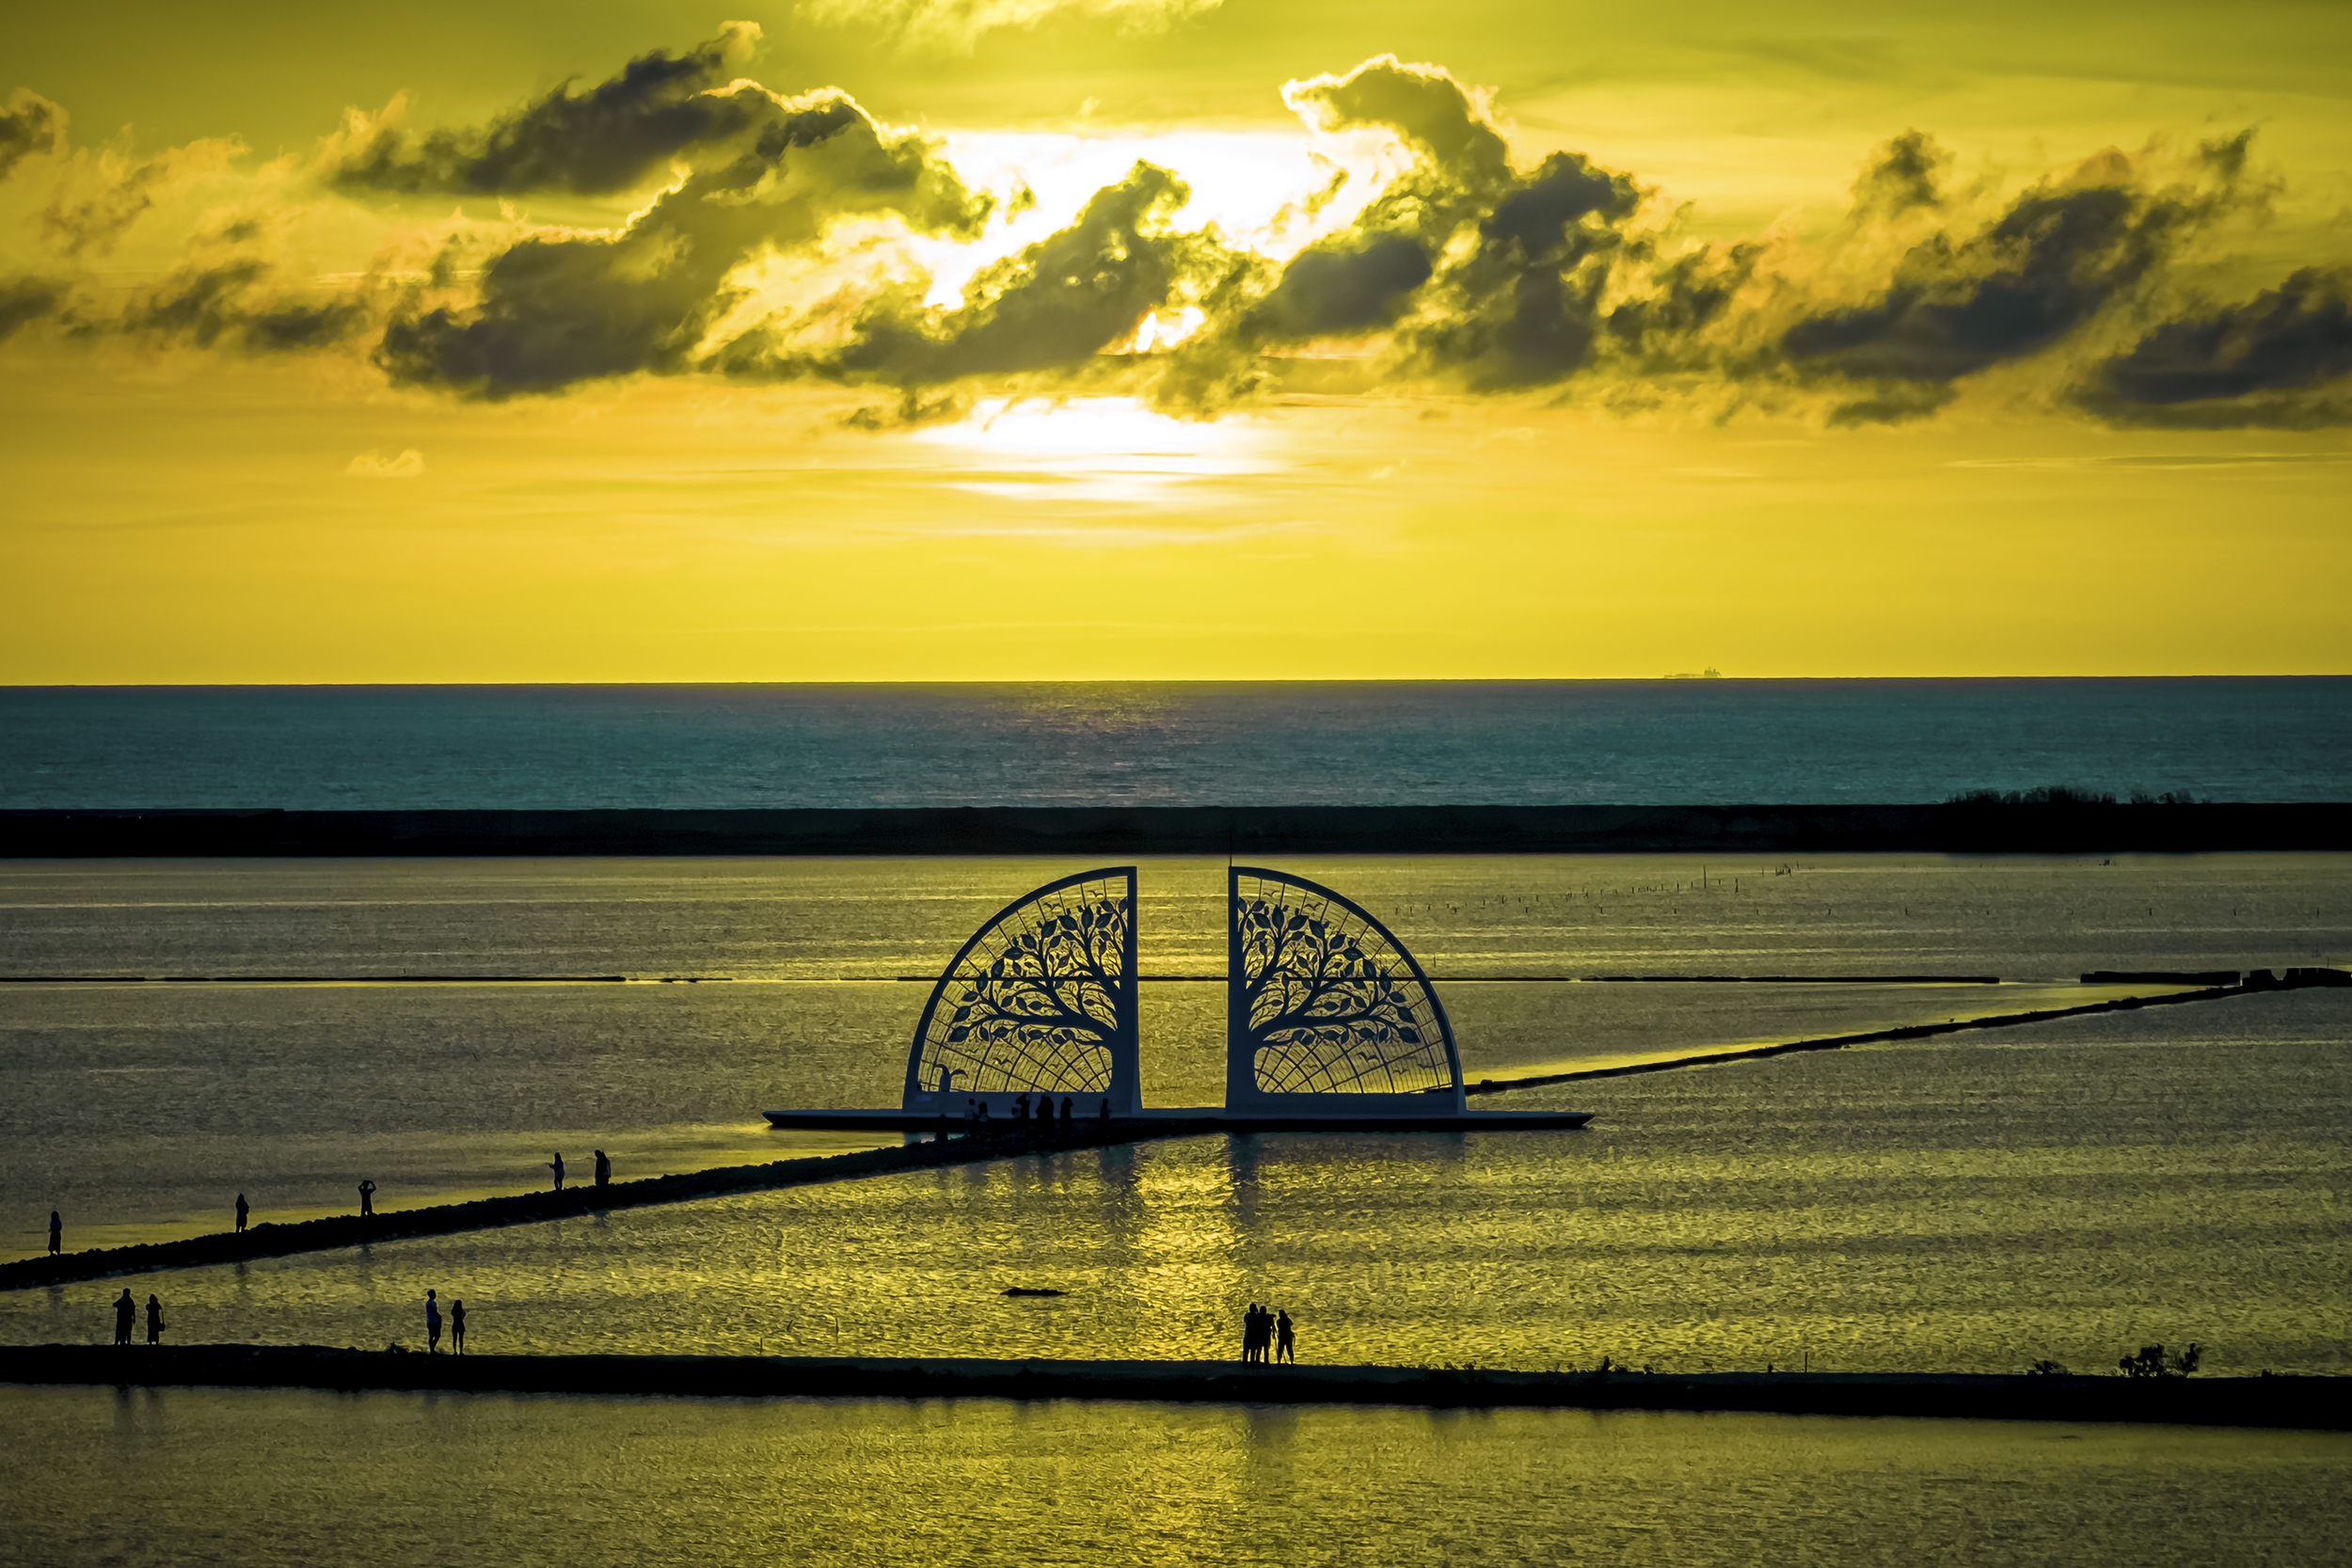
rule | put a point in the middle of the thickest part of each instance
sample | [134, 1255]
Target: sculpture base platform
[1176, 1123]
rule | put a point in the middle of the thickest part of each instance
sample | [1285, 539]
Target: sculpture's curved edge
[1127, 985]
[1241, 1083]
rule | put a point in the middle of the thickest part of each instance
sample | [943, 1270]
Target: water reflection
[327, 1481]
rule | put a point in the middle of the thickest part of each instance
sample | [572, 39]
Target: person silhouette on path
[1250, 1336]
[126, 1313]
[1065, 1116]
[432, 1325]
[367, 1200]
[154, 1322]
[556, 1166]
[604, 1171]
[1286, 1347]
[243, 1208]
[56, 1234]
[458, 1328]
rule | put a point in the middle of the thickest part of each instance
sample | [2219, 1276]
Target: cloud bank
[783, 237]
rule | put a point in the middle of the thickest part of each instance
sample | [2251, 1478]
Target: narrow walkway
[345, 1230]
[2297, 980]
[321, 1235]
[2311, 1402]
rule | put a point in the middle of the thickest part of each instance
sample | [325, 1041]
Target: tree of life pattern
[1040, 998]
[1328, 1001]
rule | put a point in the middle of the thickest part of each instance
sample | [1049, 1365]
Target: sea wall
[2069, 827]
[2311, 1402]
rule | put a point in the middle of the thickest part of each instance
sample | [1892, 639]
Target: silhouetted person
[367, 1200]
[1250, 1338]
[604, 1170]
[1107, 1112]
[1065, 1116]
[458, 1328]
[56, 1234]
[154, 1322]
[432, 1325]
[983, 1119]
[1285, 1338]
[556, 1166]
[126, 1313]
[243, 1210]
[1021, 1109]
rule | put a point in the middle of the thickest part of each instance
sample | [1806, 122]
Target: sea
[2070, 1189]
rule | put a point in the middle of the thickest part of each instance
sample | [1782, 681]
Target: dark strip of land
[2314, 1402]
[2070, 827]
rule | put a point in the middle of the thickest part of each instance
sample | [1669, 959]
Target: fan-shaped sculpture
[1040, 1001]
[1326, 1013]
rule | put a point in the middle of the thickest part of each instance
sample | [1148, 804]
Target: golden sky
[1174, 338]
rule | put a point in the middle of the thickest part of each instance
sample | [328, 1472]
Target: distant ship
[1709, 673]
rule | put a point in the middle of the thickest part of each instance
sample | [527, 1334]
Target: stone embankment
[2311, 1402]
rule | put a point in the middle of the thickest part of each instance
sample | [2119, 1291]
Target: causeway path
[346, 1231]
[2308, 1402]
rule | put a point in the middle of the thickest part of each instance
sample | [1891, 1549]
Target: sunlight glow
[1110, 450]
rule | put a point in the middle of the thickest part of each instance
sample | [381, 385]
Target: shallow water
[140, 1110]
[2070, 1189]
[254, 1478]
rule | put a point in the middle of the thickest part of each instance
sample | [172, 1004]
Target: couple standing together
[1260, 1329]
[432, 1325]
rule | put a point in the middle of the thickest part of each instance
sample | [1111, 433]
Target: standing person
[432, 1325]
[604, 1171]
[1285, 1341]
[1065, 1118]
[56, 1234]
[243, 1208]
[154, 1322]
[367, 1200]
[458, 1328]
[556, 1166]
[1250, 1335]
[126, 1313]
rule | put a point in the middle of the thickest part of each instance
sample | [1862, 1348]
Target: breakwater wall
[351, 1230]
[2311, 1402]
[1962, 827]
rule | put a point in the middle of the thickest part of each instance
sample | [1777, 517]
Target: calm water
[322, 1481]
[1653, 742]
[2070, 1189]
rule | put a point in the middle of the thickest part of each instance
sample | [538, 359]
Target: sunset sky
[940, 339]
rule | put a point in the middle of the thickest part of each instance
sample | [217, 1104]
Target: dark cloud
[1354, 284]
[1906, 173]
[26, 300]
[552, 311]
[2244, 365]
[1423, 104]
[95, 219]
[1687, 295]
[616, 137]
[226, 302]
[30, 124]
[2044, 268]
[1484, 272]
[1052, 307]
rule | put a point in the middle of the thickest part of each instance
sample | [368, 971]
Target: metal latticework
[1043, 998]
[1323, 999]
